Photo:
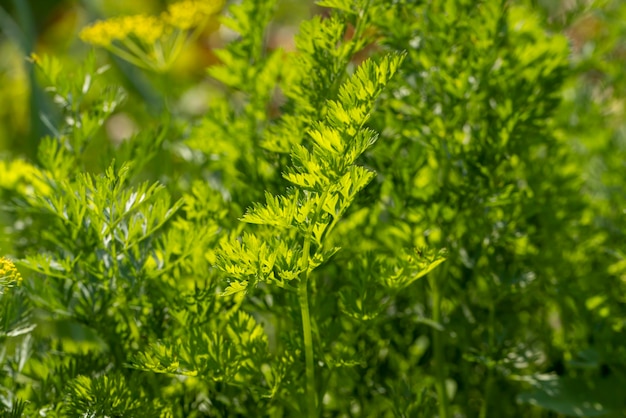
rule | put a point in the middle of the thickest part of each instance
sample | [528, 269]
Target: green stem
[303, 298]
[489, 383]
[440, 383]
[175, 48]
[157, 49]
[127, 56]
[311, 401]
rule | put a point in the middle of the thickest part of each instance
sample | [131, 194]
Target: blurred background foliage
[592, 111]
[52, 27]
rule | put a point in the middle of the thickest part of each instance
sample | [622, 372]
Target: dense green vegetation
[411, 209]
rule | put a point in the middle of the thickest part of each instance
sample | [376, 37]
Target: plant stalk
[492, 342]
[440, 382]
[303, 297]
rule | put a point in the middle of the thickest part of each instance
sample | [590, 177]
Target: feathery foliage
[406, 214]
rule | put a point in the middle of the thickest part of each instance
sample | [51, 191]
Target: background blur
[52, 27]
[593, 104]
[591, 114]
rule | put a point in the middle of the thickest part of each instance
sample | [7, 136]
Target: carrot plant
[389, 220]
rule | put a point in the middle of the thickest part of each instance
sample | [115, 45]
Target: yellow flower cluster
[22, 177]
[146, 29]
[153, 42]
[9, 276]
[189, 14]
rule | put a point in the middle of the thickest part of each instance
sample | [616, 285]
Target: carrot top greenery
[409, 209]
